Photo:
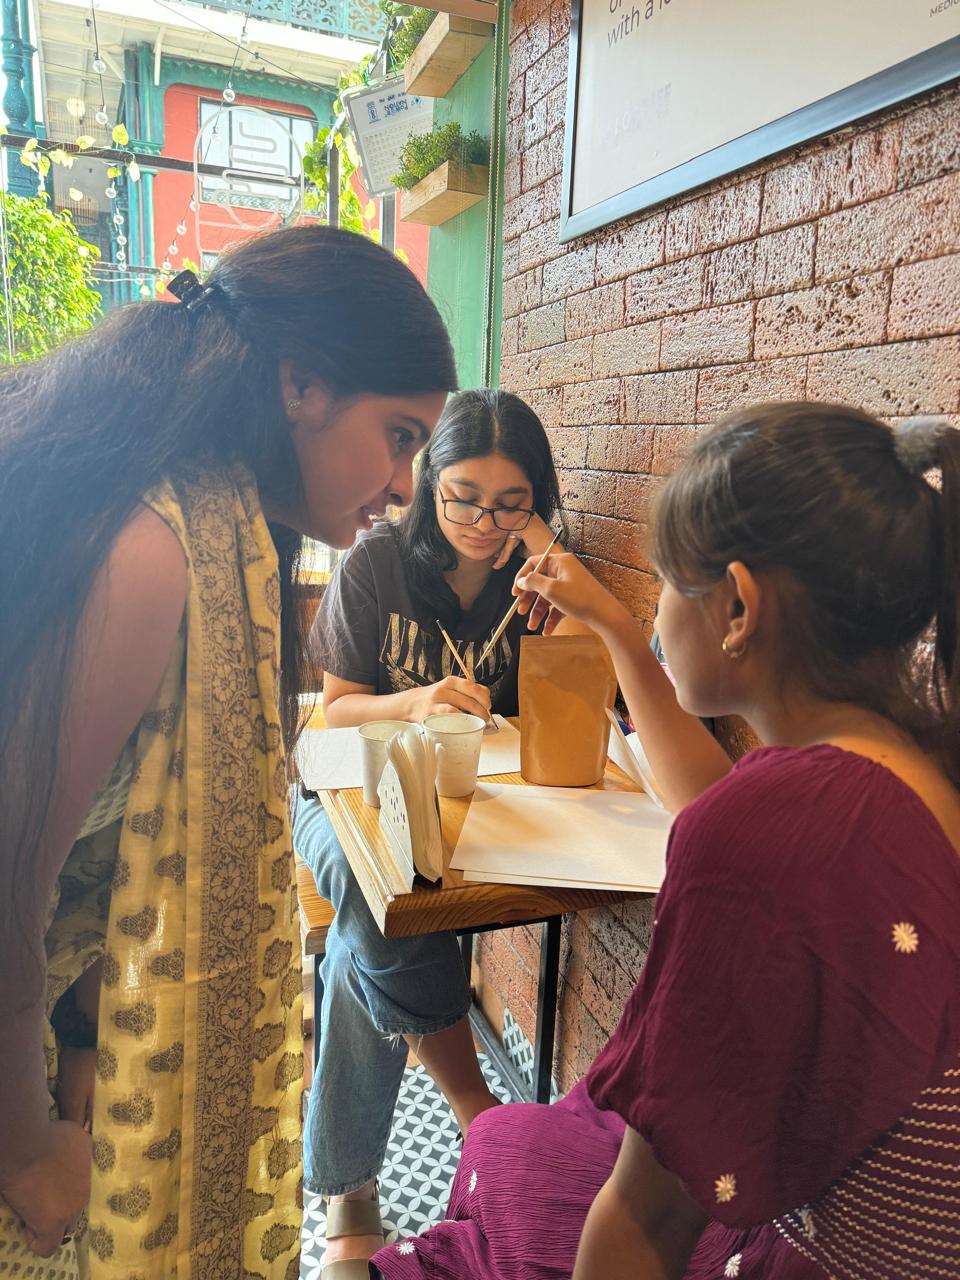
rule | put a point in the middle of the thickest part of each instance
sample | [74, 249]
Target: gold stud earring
[732, 653]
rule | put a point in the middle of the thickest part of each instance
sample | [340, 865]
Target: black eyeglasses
[506, 519]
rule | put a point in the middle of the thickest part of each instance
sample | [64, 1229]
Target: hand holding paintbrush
[516, 604]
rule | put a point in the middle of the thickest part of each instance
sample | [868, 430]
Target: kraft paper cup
[373, 741]
[459, 737]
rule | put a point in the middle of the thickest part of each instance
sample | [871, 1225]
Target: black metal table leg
[546, 1008]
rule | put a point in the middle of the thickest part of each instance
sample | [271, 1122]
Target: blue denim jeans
[375, 991]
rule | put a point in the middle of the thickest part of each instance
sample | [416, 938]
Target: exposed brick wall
[829, 272]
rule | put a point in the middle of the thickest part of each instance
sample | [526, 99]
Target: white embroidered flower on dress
[406, 1248]
[473, 1182]
[808, 1224]
[726, 1188]
[733, 1266]
[905, 937]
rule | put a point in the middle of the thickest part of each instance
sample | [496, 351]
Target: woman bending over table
[149, 958]
[781, 1099]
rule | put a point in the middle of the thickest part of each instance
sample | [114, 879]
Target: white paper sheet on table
[329, 759]
[568, 836]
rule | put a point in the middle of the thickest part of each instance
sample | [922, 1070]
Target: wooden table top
[456, 903]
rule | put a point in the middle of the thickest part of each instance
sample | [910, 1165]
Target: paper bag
[566, 685]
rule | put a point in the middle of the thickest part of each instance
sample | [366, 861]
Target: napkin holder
[409, 809]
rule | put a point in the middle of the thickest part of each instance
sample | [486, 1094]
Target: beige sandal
[351, 1218]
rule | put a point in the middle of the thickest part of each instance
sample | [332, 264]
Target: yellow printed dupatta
[197, 1108]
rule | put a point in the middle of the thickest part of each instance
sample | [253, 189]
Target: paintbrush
[516, 604]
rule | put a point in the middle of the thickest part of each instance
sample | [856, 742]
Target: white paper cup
[373, 741]
[459, 737]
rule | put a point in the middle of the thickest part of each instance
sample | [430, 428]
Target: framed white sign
[665, 95]
[382, 117]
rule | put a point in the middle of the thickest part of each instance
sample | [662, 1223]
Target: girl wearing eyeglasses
[485, 496]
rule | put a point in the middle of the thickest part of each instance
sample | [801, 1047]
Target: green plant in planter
[424, 152]
[405, 40]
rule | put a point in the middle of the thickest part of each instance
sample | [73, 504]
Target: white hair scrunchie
[916, 442]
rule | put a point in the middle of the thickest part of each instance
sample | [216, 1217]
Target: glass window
[253, 140]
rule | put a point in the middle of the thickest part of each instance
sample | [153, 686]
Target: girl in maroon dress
[781, 1099]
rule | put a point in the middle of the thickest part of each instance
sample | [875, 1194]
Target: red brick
[618, 540]
[670, 446]
[635, 494]
[511, 259]
[588, 491]
[728, 274]
[520, 372]
[847, 313]
[661, 291]
[522, 293]
[710, 221]
[632, 350]
[598, 311]
[559, 21]
[620, 448]
[734, 386]
[527, 46]
[543, 160]
[831, 177]
[510, 336]
[717, 335]
[546, 402]
[519, 215]
[637, 590]
[567, 362]
[539, 245]
[632, 248]
[569, 446]
[921, 223]
[513, 178]
[585, 403]
[542, 326]
[901, 378]
[660, 397]
[931, 140]
[784, 260]
[571, 273]
[925, 299]
[545, 74]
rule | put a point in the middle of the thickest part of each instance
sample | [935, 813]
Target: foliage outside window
[49, 293]
[416, 23]
[424, 152]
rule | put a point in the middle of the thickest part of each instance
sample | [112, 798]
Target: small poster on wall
[382, 117]
[665, 95]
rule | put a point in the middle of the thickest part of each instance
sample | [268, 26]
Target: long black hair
[474, 424]
[161, 391]
[865, 548]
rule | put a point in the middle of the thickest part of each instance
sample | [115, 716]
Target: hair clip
[186, 288]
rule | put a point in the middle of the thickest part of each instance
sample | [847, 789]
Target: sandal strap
[353, 1218]
[352, 1270]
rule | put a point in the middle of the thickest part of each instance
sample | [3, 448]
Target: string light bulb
[76, 107]
[121, 241]
[229, 94]
[193, 204]
[111, 192]
[99, 66]
[101, 117]
[173, 249]
[181, 228]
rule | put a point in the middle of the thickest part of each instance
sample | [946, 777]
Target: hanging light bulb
[101, 117]
[111, 192]
[244, 39]
[145, 292]
[181, 228]
[139, 280]
[173, 248]
[76, 107]
[165, 265]
[118, 219]
[121, 241]
[229, 94]
[99, 66]
[193, 204]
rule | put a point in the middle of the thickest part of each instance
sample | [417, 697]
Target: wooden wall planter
[451, 44]
[443, 194]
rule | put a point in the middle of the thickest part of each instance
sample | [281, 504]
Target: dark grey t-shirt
[368, 631]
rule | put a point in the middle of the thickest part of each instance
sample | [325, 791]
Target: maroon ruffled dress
[791, 1051]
